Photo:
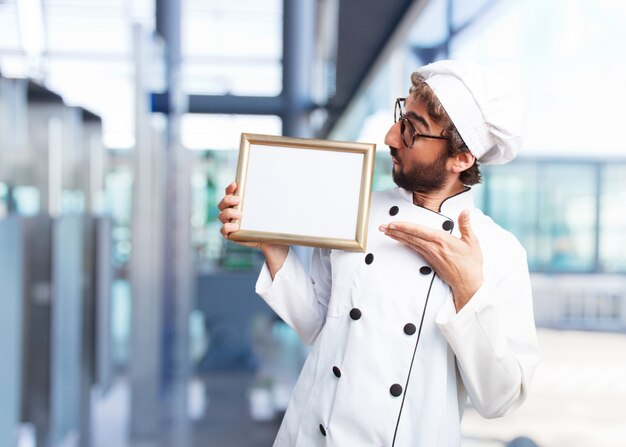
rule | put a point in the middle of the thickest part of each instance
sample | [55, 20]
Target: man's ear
[461, 162]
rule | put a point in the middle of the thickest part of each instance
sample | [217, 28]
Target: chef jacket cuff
[265, 285]
[450, 321]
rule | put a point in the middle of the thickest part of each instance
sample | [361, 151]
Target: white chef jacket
[392, 362]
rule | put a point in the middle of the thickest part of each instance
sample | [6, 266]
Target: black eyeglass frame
[404, 121]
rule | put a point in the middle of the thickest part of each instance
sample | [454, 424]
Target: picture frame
[300, 191]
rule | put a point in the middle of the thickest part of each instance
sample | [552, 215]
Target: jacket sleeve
[299, 298]
[494, 338]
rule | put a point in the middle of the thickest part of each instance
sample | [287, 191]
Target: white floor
[110, 416]
[577, 399]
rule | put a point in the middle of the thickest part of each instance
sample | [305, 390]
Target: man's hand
[275, 255]
[229, 214]
[457, 261]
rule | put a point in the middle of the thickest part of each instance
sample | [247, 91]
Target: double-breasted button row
[409, 329]
[369, 258]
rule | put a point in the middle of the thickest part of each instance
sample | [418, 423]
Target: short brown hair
[421, 91]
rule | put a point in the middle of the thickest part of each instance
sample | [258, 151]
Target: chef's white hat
[485, 108]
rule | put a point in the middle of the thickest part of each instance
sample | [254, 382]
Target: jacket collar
[450, 207]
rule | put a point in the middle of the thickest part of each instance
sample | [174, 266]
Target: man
[438, 309]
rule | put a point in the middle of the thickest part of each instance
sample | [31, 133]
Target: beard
[422, 178]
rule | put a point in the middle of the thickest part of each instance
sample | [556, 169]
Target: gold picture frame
[304, 191]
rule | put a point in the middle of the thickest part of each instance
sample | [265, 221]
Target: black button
[336, 371]
[447, 225]
[395, 390]
[369, 258]
[426, 270]
[355, 314]
[409, 329]
[394, 210]
[322, 429]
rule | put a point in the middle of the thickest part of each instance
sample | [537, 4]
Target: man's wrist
[275, 256]
[463, 294]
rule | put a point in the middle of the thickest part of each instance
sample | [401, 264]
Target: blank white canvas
[302, 191]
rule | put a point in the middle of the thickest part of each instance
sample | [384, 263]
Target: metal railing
[583, 302]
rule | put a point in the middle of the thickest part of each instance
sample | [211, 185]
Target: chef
[440, 306]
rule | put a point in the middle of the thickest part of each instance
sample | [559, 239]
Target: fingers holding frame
[228, 213]
[228, 228]
[229, 201]
[231, 188]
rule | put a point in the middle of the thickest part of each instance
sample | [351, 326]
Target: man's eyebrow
[420, 119]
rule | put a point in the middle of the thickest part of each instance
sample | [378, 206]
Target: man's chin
[398, 179]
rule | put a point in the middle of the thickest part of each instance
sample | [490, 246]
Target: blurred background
[127, 321]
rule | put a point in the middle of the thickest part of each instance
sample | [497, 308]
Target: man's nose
[393, 139]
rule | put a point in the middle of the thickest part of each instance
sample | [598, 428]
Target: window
[232, 47]
[511, 196]
[551, 208]
[612, 237]
[567, 217]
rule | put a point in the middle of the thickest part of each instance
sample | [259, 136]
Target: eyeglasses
[407, 130]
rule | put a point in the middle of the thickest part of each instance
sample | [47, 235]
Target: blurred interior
[128, 321]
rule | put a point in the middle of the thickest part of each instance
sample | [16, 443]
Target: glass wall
[516, 184]
[551, 207]
[612, 236]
